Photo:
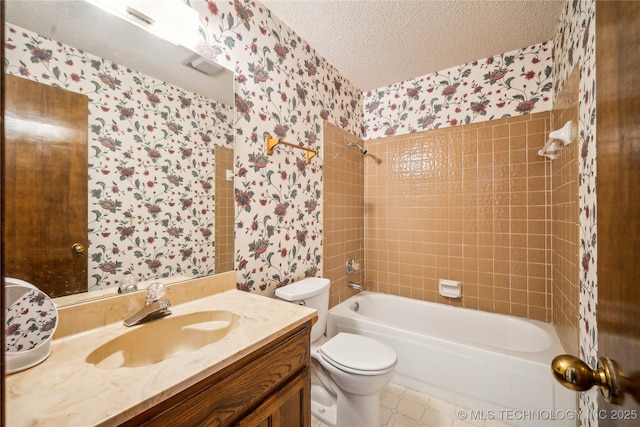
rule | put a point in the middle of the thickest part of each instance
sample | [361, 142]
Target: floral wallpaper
[574, 45]
[151, 170]
[30, 320]
[510, 84]
[283, 87]
[286, 89]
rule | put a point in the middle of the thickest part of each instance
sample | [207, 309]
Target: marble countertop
[67, 390]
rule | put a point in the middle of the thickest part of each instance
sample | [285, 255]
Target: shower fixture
[358, 146]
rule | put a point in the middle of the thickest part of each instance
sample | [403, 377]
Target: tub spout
[355, 286]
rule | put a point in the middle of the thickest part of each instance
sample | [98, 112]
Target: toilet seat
[358, 354]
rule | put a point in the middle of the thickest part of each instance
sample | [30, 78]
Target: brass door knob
[77, 248]
[576, 375]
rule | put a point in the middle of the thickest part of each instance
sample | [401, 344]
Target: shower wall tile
[225, 201]
[343, 211]
[468, 203]
[565, 222]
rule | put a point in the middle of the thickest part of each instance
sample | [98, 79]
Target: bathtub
[496, 365]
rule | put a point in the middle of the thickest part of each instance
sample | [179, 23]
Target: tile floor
[403, 407]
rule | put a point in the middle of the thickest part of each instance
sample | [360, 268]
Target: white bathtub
[495, 364]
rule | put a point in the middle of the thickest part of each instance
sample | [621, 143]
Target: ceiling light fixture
[171, 20]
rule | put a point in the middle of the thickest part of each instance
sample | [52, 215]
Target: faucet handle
[155, 291]
[351, 266]
[128, 284]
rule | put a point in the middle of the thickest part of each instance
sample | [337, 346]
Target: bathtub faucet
[355, 286]
[351, 266]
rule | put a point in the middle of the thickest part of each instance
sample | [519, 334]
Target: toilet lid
[357, 352]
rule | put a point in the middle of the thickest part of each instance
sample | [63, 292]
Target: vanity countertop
[66, 390]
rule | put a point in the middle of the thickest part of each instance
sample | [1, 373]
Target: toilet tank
[312, 292]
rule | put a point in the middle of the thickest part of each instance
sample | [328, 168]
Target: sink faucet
[154, 307]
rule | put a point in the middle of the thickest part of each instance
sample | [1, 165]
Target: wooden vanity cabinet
[269, 387]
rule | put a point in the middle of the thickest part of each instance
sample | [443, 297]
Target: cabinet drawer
[225, 396]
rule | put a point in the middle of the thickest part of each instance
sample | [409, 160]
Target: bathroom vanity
[255, 373]
[270, 386]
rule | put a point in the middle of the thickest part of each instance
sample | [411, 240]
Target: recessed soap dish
[450, 288]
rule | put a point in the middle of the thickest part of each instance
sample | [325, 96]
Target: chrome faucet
[154, 307]
[355, 286]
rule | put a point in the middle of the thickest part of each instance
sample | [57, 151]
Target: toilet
[348, 370]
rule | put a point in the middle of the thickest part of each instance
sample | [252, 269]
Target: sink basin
[157, 340]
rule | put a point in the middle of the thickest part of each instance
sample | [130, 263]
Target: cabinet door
[288, 407]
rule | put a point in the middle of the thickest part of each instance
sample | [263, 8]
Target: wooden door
[618, 195]
[45, 184]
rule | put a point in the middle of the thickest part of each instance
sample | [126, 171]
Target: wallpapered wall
[151, 174]
[574, 44]
[286, 89]
[505, 85]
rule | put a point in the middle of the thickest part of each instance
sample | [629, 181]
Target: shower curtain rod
[271, 142]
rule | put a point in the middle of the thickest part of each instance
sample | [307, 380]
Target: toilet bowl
[358, 364]
[348, 370]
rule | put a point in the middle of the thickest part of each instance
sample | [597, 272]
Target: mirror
[160, 147]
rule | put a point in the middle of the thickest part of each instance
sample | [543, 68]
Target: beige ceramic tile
[469, 193]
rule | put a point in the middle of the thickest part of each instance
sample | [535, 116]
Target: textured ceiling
[375, 43]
